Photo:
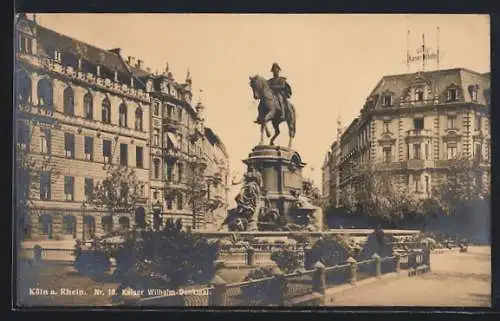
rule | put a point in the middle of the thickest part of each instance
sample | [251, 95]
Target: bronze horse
[269, 110]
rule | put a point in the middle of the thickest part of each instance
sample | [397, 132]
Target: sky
[332, 62]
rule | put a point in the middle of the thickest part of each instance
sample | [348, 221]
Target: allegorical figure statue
[274, 105]
[248, 201]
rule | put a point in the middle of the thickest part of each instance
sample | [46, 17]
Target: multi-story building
[414, 125]
[330, 177]
[83, 107]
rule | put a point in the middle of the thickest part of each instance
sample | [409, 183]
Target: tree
[196, 192]
[462, 194]
[118, 192]
[377, 194]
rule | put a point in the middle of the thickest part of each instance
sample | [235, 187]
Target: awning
[173, 140]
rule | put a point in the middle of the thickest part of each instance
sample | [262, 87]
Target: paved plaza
[457, 280]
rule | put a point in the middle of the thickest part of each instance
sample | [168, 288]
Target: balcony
[415, 164]
[172, 154]
[419, 133]
[171, 124]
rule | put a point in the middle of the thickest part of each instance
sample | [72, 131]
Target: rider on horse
[281, 89]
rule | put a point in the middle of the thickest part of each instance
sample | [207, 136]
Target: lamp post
[84, 206]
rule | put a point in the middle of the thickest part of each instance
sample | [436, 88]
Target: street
[457, 280]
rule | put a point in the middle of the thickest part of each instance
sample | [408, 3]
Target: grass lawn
[56, 277]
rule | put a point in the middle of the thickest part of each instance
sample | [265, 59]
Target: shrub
[92, 262]
[261, 291]
[287, 260]
[330, 251]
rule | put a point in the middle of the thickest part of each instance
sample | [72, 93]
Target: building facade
[414, 125]
[79, 108]
[330, 177]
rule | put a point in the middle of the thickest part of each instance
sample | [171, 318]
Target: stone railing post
[397, 262]
[378, 263]
[354, 269]
[37, 253]
[319, 277]
[218, 297]
[250, 256]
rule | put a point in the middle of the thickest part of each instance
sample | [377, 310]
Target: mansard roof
[439, 81]
[215, 140]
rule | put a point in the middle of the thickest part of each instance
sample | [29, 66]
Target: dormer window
[57, 55]
[387, 100]
[473, 89]
[451, 95]
[419, 94]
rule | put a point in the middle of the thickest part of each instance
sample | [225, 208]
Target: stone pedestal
[281, 170]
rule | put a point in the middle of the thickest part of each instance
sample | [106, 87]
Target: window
[106, 111]
[418, 123]
[88, 108]
[387, 100]
[23, 137]
[452, 150]
[169, 111]
[473, 93]
[44, 89]
[106, 150]
[416, 180]
[69, 187]
[156, 137]
[89, 148]
[123, 154]
[477, 123]
[452, 120]
[69, 145]
[487, 151]
[180, 115]
[169, 202]
[427, 185]
[169, 173]
[25, 44]
[155, 195]
[45, 186]
[451, 95]
[89, 187]
[24, 87]
[69, 101]
[179, 201]
[387, 124]
[180, 169]
[416, 151]
[478, 152]
[419, 94]
[156, 168]
[138, 119]
[45, 142]
[156, 109]
[122, 120]
[387, 154]
[138, 157]
[427, 151]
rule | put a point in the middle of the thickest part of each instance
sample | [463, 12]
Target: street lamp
[84, 206]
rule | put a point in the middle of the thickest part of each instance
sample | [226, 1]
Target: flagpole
[437, 54]
[408, 51]
[423, 52]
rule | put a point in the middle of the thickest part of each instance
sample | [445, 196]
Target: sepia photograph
[251, 160]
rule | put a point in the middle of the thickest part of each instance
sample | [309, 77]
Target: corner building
[82, 107]
[414, 125]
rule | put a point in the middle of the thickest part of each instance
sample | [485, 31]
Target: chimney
[116, 50]
[139, 63]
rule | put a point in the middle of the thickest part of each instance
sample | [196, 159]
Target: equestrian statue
[274, 105]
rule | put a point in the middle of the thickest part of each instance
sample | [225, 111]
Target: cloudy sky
[331, 61]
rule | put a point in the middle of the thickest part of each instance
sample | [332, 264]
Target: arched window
[44, 90]
[69, 101]
[122, 120]
[138, 119]
[106, 111]
[156, 109]
[88, 107]
[23, 87]
[156, 170]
